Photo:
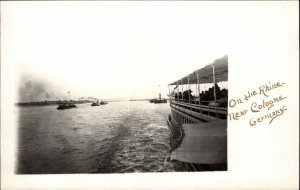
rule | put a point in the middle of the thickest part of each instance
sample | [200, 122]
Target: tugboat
[63, 106]
[103, 102]
[66, 105]
[198, 123]
[159, 100]
[95, 103]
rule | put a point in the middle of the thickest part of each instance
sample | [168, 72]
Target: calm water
[118, 137]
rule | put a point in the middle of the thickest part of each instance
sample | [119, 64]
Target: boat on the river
[198, 121]
[158, 100]
[63, 106]
[95, 103]
[66, 105]
[103, 102]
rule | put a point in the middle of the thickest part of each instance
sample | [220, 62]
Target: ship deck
[197, 111]
[203, 143]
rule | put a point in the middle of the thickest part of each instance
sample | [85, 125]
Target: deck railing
[211, 109]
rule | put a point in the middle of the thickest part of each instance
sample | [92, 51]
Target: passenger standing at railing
[209, 95]
[180, 96]
[187, 95]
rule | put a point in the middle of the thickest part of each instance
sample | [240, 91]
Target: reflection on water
[115, 138]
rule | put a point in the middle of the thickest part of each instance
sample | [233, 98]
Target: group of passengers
[205, 96]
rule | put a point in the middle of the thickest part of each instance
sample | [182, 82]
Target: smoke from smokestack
[37, 89]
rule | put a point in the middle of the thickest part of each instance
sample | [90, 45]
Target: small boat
[95, 103]
[103, 102]
[158, 100]
[66, 106]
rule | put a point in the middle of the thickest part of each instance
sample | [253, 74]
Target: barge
[64, 106]
[198, 121]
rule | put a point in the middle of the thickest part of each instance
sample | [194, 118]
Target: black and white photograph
[92, 135]
[95, 96]
[171, 95]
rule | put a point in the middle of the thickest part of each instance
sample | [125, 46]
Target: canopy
[206, 74]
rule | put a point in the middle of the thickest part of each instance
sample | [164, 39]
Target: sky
[115, 50]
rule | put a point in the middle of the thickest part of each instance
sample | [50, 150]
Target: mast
[69, 95]
[159, 94]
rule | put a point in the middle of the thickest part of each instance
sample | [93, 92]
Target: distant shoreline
[48, 103]
[146, 99]
[139, 100]
[56, 102]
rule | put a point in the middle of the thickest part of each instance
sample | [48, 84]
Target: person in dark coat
[187, 94]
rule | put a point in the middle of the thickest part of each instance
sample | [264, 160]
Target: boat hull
[62, 107]
[175, 121]
[158, 101]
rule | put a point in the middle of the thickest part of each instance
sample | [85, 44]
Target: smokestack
[159, 96]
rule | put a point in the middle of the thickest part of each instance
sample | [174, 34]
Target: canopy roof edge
[205, 74]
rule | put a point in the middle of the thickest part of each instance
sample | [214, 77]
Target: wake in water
[137, 146]
[121, 137]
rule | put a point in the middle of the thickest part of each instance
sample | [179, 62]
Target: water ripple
[115, 138]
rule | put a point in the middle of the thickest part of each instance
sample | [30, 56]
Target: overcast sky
[114, 50]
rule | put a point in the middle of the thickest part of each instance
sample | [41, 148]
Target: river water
[119, 137]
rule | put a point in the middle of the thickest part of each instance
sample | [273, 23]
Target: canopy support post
[199, 91]
[189, 86]
[214, 79]
[169, 92]
[177, 90]
[181, 90]
[215, 98]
